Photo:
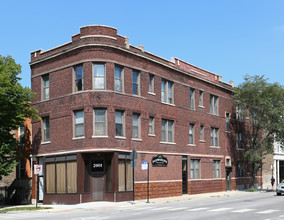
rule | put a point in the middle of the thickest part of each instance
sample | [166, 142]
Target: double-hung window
[167, 130]
[239, 112]
[191, 133]
[192, 98]
[240, 169]
[216, 169]
[136, 125]
[151, 83]
[167, 91]
[79, 123]
[118, 79]
[195, 169]
[227, 121]
[151, 125]
[119, 123]
[200, 98]
[99, 76]
[239, 140]
[100, 122]
[78, 75]
[135, 82]
[201, 133]
[45, 87]
[45, 128]
[214, 105]
[21, 137]
[214, 137]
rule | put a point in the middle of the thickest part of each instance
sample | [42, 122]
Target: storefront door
[97, 172]
[184, 175]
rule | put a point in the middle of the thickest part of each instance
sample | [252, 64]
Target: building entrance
[97, 173]
[184, 175]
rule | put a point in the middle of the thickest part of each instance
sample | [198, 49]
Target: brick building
[100, 97]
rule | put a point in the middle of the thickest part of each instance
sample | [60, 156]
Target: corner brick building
[100, 97]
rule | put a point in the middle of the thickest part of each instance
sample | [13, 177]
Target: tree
[264, 103]
[15, 106]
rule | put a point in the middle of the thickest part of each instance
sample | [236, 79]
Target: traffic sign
[133, 155]
[38, 169]
[144, 165]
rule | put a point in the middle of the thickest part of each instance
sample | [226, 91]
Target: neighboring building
[16, 188]
[100, 97]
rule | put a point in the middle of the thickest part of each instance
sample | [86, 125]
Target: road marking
[176, 209]
[219, 210]
[161, 208]
[141, 208]
[197, 209]
[268, 211]
[243, 210]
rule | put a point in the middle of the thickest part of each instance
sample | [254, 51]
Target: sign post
[133, 157]
[145, 166]
[37, 172]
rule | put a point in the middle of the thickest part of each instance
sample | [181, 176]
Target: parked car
[280, 188]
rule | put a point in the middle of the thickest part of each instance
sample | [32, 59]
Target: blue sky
[230, 38]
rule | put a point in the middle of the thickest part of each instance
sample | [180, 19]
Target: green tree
[15, 106]
[264, 103]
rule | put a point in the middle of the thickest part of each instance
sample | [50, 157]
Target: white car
[280, 188]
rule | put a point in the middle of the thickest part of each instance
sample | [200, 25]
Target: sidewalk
[110, 205]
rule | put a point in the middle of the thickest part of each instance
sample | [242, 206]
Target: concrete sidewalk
[110, 205]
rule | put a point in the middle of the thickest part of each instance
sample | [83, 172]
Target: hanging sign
[38, 169]
[159, 161]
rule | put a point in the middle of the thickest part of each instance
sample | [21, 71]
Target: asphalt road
[259, 205]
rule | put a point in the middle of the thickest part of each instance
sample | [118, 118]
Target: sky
[231, 38]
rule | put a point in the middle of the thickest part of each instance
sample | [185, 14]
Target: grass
[23, 209]
[252, 189]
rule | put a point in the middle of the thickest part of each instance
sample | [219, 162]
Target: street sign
[133, 155]
[38, 169]
[135, 164]
[144, 165]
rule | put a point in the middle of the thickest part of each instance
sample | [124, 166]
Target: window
[239, 140]
[214, 106]
[195, 169]
[167, 130]
[239, 112]
[201, 133]
[151, 83]
[22, 168]
[125, 172]
[136, 125]
[192, 99]
[167, 92]
[191, 133]
[78, 75]
[45, 87]
[100, 122]
[61, 174]
[151, 125]
[119, 123]
[21, 137]
[214, 137]
[240, 169]
[227, 121]
[99, 77]
[135, 82]
[216, 168]
[200, 98]
[79, 123]
[118, 79]
[45, 128]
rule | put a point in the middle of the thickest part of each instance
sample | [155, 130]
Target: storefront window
[125, 178]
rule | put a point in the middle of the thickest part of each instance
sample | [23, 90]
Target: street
[257, 205]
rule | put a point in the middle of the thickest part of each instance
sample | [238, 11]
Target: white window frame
[45, 129]
[21, 135]
[123, 123]
[192, 98]
[195, 169]
[137, 83]
[45, 88]
[200, 98]
[167, 96]
[98, 123]
[216, 169]
[99, 77]
[167, 131]
[191, 133]
[227, 118]
[214, 104]
[214, 137]
[239, 113]
[136, 125]
[119, 81]
[239, 140]
[151, 125]
[201, 136]
[78, 124]
[77, 79]
[151, 84]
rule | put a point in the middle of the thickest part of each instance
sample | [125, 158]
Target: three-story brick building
[100, 97]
